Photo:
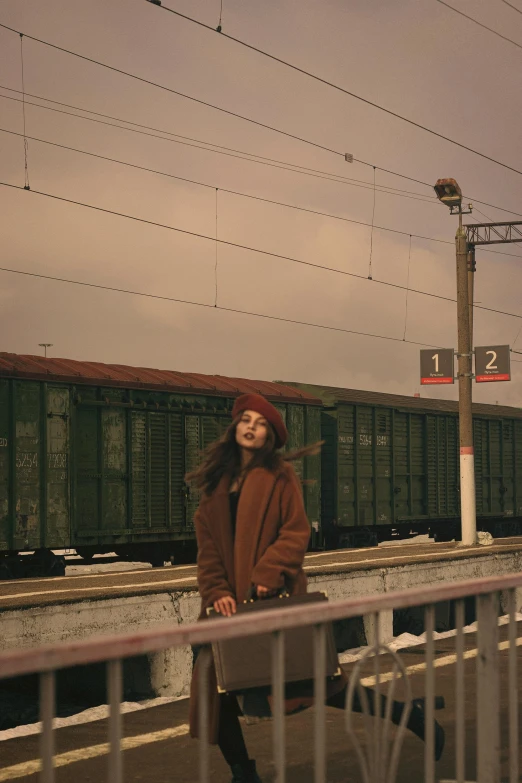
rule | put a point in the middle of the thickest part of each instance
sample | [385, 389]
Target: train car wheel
[157, 557]
[5, 571]
[56, 566]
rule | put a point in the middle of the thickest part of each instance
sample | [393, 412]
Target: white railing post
[114, 690]
[514, 739]
[319, 703]
[278, 697]
[47, 659]
[488, 713]
[429, 715]
[460, 725]
[204, 662]
[377, 723]
[47, 702]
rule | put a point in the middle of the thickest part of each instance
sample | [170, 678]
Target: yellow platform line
[128, 743]
[444, 660]
[81, 754]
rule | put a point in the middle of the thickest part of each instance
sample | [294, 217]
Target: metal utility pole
[467, 237]
[471, 288]
[464, 329]
[45, 346]
[449, 193]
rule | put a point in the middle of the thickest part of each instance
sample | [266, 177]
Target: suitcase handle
[252, 595]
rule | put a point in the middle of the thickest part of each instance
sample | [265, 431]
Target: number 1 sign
[436, 365]
[492, 363]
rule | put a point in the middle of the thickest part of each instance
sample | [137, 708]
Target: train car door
[200, 431]
[409, 440]
[496, 467]
[58, 532]
[157, 469]
[27, 532]
[5, 466]
[364, 445]
[383, 467]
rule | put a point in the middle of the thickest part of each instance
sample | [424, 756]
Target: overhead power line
[343, 90]
[484, 27]
[249, 156]
[248, 248]
[239, 154]
[512, 6]
[241, 194]
[222, 241]
[236, 114]
[160, 297]
[213, 307]
[223, 190]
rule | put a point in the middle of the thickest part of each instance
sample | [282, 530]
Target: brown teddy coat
[271, 538]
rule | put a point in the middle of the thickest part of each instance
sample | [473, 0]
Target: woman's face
[251, 431]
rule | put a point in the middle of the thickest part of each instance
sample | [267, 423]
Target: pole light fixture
[45, 346]
[449, 193]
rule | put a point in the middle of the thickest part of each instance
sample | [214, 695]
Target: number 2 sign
[436, 365]
[492, 363]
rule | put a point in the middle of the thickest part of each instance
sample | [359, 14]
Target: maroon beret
[257, 403]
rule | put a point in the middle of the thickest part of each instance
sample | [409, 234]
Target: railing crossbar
[52, 657]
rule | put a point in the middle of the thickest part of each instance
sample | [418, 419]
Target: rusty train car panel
[390, 466]
[93, 456]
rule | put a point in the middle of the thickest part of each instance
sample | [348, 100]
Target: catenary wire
[229, 149]
[248, 248]
[210, 186]
[26, 146]
[220, 307]
[211, 306]
[221, 241]
[237, 115]
[240, 193]
[512, 6]
[343, 90]
[238, 154]
[370, 276]
[217, 246]
[407, 292]
[296, 166]
[484, 27]
[170, 90]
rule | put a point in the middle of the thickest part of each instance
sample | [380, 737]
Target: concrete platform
[36, 612]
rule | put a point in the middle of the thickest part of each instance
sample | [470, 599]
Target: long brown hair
[223, 457]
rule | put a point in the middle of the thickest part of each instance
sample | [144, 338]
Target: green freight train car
[92, 457]
[390, 467]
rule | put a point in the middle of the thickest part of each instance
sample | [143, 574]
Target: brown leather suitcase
[247, 663]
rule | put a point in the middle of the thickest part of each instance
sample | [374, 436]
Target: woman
[252, 532]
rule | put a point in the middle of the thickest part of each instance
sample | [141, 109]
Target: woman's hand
[225, 606]
[264, 592]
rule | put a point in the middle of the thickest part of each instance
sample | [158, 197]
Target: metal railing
[378, 759]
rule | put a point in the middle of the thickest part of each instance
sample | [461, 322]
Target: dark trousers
[232, 743]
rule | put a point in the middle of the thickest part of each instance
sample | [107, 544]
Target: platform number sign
[492, 363]
[436, 365]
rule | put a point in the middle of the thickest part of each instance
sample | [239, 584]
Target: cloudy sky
[414, 57]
